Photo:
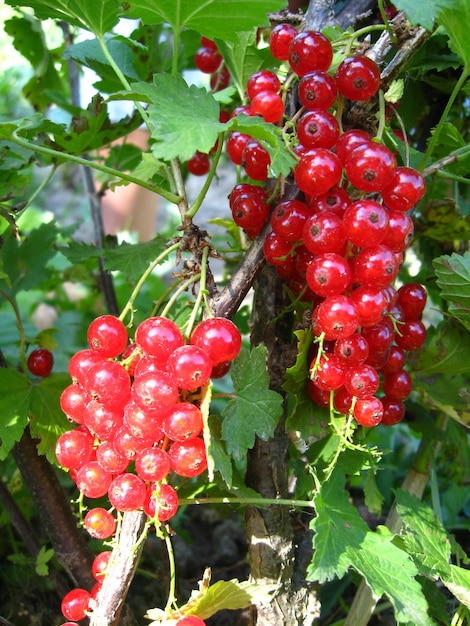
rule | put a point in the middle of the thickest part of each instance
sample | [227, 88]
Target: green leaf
[243, 58]
[453, 278]
[42, 559]
[184, 118]
[97, 16]
[342, 540]
[458, 583]
[255, 409]
[130, 259]
[219, 459]
[426, 540]
[221, 19]
[372, 496]
[454, 15]
[269, 135]
[421, 12]
[448, 394]
[446, 351]
[26, 262]
[14, 416]
[48, 421]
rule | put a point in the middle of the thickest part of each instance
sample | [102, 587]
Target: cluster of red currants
[138, 420]
[341, 246]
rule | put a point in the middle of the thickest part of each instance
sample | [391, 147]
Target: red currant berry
[242, 189]
[74, 448]
[280, 39]
[110, 459]
[256, 160]
[342, 401]
[262, 81]
[108, 336]
[152, 464]
[404, 190]
[188, 457]
[288, 219]
[127, 492]
[328, 373]
[379, 337]
[219, 337]
[92, 480]
[220, 80]
[190, 620]
[190, 367]
[158, 336]
[321, 397]
[183, 421]
[411, 335]
[309, 51]
[235, 146]
[317, 171]
[371, 304]
[249, 211]
[208, 43]
[395, 361]
[348, 141]
[199, 164]
[207, 60]
[126, 444]
[269, 105]
[324, 232]
[162, 502]
[361, 380]
[100, 565]
[358, 78]
[394, 411]
[353, 349]
[365, 223]
[317, 129]
[75, 603]
[397, 385]
[376, 265]
[412, 298]
[73, 401]
[317, 90]
[100, 523]
[336, 200]
[328, 274]
[109, 383]
[155, 390]
[370, 166]
[81, 362]
[102, 421]
[40, 362]
[400, 231]
[336, 317]
[144, 423]
[276, 249]
[368, 411]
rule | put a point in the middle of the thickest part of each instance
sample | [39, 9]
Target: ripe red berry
[108, 335]
[188, 457]
[400, 231]
[236, 143]
[127, 492]
[353, 349]
[190, 367]
[190, 620]
[74, 448]
[207, 60]
[368, 411]
[269, 105]
[309, 51]
[371, 304]
[397, 385]
[317, 171]
[348, 141]
[317, 129]
[376, 265]
[92, 480]
[256, 160]
[324, 232]
[329, 372]
[277, 250]
[336, 317]
[288, 219]
[394, 411]
[336, 200]
[152, 464]
[183, 421]
[100, 523]
[158, 336]
[74, 605]
[249, 211]
[40, 362]
[317, 90]
[262, 81]
[358, 78]
[404, 190]
[161, 500]
[81, 362]
[100, 565]
[219, 337]
[328, 274]
[365, 223]
[361, 380]
[109, 383]
[199, 164]
[412, 298]
[411, 335]
[370, 166]
[280, 39]
[154, 390]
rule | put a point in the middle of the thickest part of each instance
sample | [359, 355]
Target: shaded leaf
[454, 15]
[221, 19]
[254, 409]
[14, 416]
[446, 351]
[342, 540]
[453, 278]
[422, 12]
[448, 394]
[97, 16]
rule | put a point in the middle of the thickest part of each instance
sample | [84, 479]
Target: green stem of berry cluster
[172, 600]
[440, 125]
[202, 293]
[140, 283]
[361, 32]
[209, 178]
[19, 324]
[42, 185]
[381, 127]
[176, 294]
[386, 21]
[56, 155]
[260, 502]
